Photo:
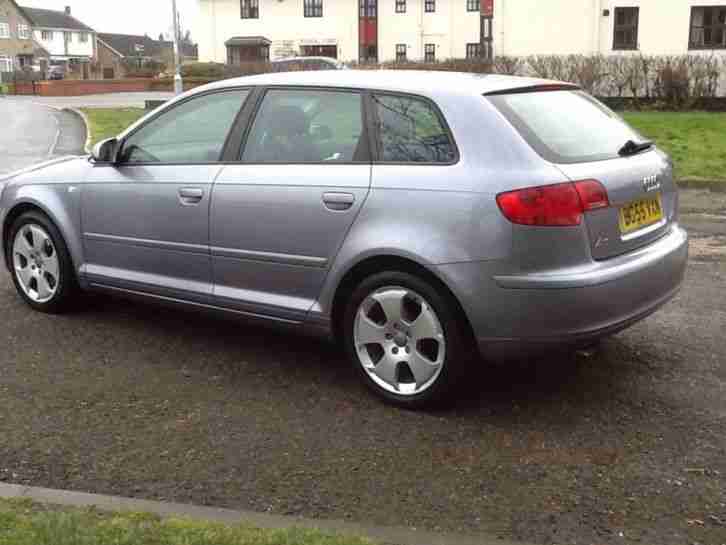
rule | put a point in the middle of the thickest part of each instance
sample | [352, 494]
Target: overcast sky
[125, 16]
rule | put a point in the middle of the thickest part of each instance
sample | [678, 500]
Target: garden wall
[61, 88]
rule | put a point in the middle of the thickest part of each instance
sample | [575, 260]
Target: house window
[473, 5]
[430, 52]
[4, 30]
[250, 9]
[369, 8]
[430, 6]
[23, 32]
[313, 8]
[708, 27]
[83, 37]
[486, 39]
[473, 51]
[626, 28]
[6, 64]
[400, 6]
[400, 52]
[68, 37]
[46, 35]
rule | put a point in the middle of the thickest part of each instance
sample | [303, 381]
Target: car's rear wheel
[406, 339]
[41, 266]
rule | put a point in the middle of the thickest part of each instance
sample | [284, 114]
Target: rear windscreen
[566, 126]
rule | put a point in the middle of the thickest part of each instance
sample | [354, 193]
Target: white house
[385, 30]
[68, 40]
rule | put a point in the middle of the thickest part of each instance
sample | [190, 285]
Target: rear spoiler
[535, 89]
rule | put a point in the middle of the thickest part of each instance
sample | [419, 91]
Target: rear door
[586, 140]
[280, 214]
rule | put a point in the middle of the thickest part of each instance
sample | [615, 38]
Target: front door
[146, 218]
[280, 215]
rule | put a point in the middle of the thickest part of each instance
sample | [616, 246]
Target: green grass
[26, 523]
[109, 122]
[695, 140]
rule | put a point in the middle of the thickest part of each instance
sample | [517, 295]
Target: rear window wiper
[631, 147]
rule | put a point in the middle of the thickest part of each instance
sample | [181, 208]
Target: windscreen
[566, 126]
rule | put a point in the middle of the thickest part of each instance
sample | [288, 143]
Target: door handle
[190, 195]
[338, 201]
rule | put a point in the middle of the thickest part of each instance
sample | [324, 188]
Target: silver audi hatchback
[424, 220]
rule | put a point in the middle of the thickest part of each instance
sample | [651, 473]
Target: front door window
[193, 132]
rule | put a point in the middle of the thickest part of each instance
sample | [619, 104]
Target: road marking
[51, 151]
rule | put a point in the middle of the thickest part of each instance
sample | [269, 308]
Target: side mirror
[105, 151]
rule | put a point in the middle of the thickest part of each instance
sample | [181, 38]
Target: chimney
[68, 10]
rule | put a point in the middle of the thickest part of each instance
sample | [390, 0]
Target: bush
[209, 70]
[673, 81]
[149, 68]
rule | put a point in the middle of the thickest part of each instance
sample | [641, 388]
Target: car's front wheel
[40, 264]
[406, 339]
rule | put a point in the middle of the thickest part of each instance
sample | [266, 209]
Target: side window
[193, 132]
[411, 131]
[307, 126]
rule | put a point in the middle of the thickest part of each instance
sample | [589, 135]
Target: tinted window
[193, 132]
[307, 127]
[566, 126]
[411, 131]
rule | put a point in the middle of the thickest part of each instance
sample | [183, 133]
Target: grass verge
[695, 140]
[109, 122]
[23, 522]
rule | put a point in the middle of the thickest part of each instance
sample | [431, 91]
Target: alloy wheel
[36, 263]
[399, 340]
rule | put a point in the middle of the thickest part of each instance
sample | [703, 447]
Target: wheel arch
[62, 223]
[374, 264]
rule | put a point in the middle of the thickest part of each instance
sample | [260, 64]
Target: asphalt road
[625, 446]
[34, 133]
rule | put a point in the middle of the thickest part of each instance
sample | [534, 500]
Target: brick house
[18, 48]
[69, 42]
[118, 53]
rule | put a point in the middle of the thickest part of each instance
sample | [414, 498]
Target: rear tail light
[592, 194]
[553, 205]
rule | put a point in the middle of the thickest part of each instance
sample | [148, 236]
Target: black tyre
[407, 339]
[40, 264]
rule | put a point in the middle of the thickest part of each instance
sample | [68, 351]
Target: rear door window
[308, 126]
[410, 130]
[566, 126]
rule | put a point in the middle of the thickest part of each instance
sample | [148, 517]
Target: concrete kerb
[87, 124]
[716, 186]
[385, 535]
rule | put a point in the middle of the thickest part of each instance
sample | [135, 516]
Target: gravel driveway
[627, 445]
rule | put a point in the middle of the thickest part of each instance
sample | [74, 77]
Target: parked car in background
[291, 64]
[422, 219]
[56, 72]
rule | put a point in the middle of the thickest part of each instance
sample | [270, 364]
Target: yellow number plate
[640, 214]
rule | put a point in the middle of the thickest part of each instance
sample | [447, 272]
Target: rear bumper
[513, 314]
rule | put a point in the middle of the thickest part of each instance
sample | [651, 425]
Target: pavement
[108, 100]
[36, 133]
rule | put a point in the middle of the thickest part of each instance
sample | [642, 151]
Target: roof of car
[412, 81]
